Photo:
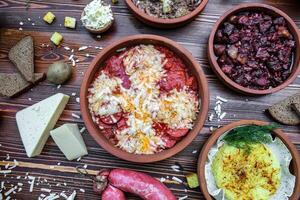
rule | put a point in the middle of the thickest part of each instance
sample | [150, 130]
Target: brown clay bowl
[110, 50]
[164, 23]
[100, 30]
[295, 163]
[273, 12]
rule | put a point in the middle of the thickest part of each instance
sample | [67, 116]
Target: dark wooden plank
[193, 37]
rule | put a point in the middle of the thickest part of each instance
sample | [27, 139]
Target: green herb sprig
[243, 137]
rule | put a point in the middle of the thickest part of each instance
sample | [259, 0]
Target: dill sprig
[243, 137]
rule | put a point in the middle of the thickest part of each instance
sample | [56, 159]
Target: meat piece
[177, 132]
[228, 28]
[111, 119]
[112, 193]
[174, 79]
[264, 26]
[232, 52]
[168, 140]
[140, 184]
[115, 67]
[192, 83]
[219, 49]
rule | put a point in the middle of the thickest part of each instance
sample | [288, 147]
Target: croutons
[56, 38]
[70, 22]
[49, 17]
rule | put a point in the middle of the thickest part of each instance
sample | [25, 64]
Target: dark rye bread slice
[22, 55]
[14, 84]
[283, 112]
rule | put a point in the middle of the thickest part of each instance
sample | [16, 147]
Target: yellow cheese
[49, 17]
[70, 22]
[56, 38]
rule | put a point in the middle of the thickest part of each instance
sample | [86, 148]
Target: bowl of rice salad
[144, 98]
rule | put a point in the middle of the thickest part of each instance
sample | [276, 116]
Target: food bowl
[273, 12]
[100, 30]
[295, 163]
[165, 23]
[190, 63]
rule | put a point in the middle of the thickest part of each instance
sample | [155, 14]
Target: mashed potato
[245, 175]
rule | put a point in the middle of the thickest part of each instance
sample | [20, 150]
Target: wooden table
[63, 176]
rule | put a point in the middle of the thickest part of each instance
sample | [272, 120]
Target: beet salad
[144, 99]
[255, 49]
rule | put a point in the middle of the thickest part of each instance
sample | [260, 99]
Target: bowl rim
[100, 30]
[165, 23]
[216, 134]
[102, 141]
[230, 83]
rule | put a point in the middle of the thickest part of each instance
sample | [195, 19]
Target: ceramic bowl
[271, 11]
[110, 50]
[100, 30]
[165, 23]
[295, 163]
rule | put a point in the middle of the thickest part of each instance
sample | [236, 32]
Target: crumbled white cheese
[221, 99]
[75, 116]
[97, 15]
[82, 48]
[45, 190]
[5, 171]
[182, 198]
[72, 196]
[67, 48]
[176, 168]
[82, 190]
[82, 129]
[177, 179]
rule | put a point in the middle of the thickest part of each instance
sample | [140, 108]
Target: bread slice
[283, 112]
[22, 55]
[13, 84]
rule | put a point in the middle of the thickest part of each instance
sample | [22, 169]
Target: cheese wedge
[69, 141]
[35, 122]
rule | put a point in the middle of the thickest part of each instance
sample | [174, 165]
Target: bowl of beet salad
[254, 49]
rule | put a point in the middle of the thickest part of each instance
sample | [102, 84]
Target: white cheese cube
[69, 141]
[36, 121]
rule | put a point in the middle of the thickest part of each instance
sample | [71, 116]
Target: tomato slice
[177, 132]
[111, 119]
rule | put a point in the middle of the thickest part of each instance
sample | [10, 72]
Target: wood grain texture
[193, 37]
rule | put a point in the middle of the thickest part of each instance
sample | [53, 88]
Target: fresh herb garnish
[243, 137]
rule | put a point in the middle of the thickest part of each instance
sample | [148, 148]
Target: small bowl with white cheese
[97, 17]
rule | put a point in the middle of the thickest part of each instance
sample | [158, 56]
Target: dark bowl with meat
[254, 49]
[166, 14]
[119, 63]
